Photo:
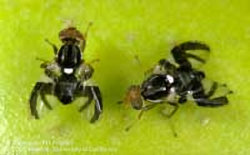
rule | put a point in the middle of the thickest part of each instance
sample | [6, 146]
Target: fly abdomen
[65, 88]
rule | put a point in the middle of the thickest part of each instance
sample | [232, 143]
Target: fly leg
[83, 42]
[93, 93]
[176, 107]
[203, 99]
[146, 108]
[40, 88]
[55, 49]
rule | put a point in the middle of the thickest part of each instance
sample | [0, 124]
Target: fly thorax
[69, 56]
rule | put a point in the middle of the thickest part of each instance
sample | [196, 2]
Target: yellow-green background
[121, 30]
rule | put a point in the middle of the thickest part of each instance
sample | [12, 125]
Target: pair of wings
[196, 54]
[192, 55]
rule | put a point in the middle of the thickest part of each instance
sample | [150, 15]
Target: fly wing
[208, 91]
[191, 54]
[214, 89]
